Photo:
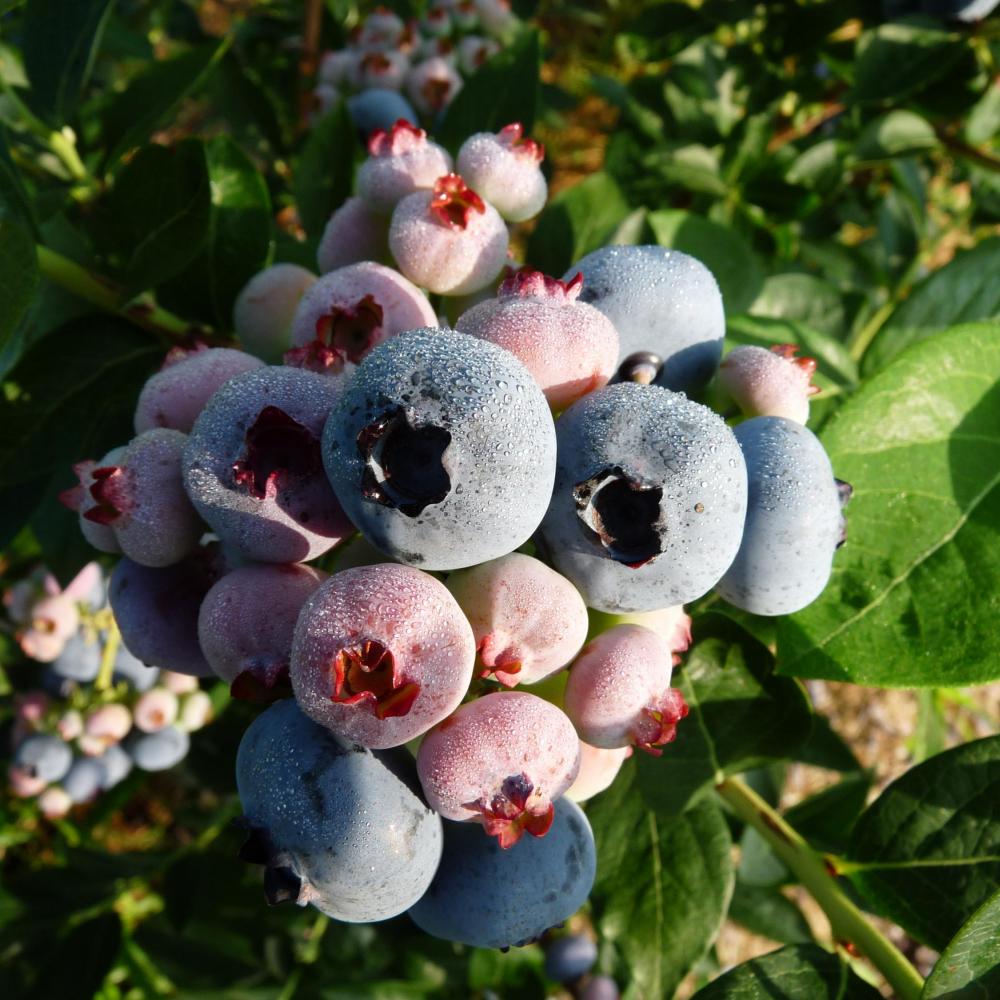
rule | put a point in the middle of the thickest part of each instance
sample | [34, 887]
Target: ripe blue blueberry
[649, 500]
[44, 757]
[568, 958]
[442, 450]
[131, 669]
[662, 301]
[335, 825]
[379, 108]
[84, 779]
[157, 751]
[79, 661]
[116, 765]
[793, 523]
[489, 897]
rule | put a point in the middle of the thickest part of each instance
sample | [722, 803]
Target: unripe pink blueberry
[379, 69]
[382, 29]
[502, 761]
[769, 383]
[53, 619]
[54, 802]
[464, 15]
[436, 21]
[79, 498]
[495, 16]
[354, 233]
[246, 624]
[334, 66]
[155, 710]
[448, 240]
[381, 653]
[473, 51]
[106, 725]
[570, 347]
[178, 392]
[672, 625]
[70, 725]
[264, 310]
[618, 693]
[30, 707]
[351, 310]
[195, 712]
[505, 169]
[598, 769]
[178, 683]
[22, 784]
[433, 48]
[142, 499]
[528, 621]
[399, 162]
[432, 85]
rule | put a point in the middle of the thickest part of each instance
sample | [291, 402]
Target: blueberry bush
[511, 427]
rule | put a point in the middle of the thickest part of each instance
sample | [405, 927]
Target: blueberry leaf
[802, 298]
[740, 716]
[768, 912]
[791, 973]
[926, 852]
[663, 884]
[970, 965]
[18, 275]
[912, 598]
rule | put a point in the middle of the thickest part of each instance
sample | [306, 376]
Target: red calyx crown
[106, 485]
[403, 137]
[529, 283]
[453, 201]
[368, 675]
[512, 136]
[807, 365]
[659, 722]
[514, 810]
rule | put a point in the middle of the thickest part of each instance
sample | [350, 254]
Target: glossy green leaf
[663, 885]
[912, 599]
[901, 58]
[984, 118]
[14, 200]
[769, 913]
[721, 249]
[827, 817]
[60, 43]
[962, 291]
[325, 171]
[896, 134]
[969, 968]
[575, 222]
[798, 972]
[802, 298]
[926, 853]
[501, 91]
[158, 213]
[18, 275]
[152, 95]
[740, 716]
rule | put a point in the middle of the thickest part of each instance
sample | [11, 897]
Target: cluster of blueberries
[474, 489]
[81, 733]
[425, 59]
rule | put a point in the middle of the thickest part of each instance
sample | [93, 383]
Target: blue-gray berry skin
[84, 779]
[131, 669]
[335, 825]
[42, 756]
[662, 301]
[79, 660]
[568, 958]
[489, 897]
[793, 523]
[157, 751]
[379, 107]
[116, 765]
[649, 500]
[442, 450]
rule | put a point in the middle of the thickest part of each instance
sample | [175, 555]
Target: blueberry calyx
[623, 513]
[517, 808]
[844, 493]
[405, 465]
[643, 367]
[368, 674]
[281, 884]
[277, 447]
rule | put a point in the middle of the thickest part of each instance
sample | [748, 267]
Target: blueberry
[649, 500]
[265, 307]
[79, 661]
[252, 466]
[598, 988]
[506, 169]
[568, 958]
[84, 779]
[116, 765]
[133, 671]
[489, 897]
[44, 757]
[441, 450]
[662, 301]
[157, 751]
[793, 523]
[378, 108]
[335, 825]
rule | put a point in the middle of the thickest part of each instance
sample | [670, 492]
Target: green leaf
[827, 749]
[18, 275]
[819, 168]
[575, 222]
[79, 962]
[769, 913]
[827, 818]
[740, 716]
[59, 42]
[14, 199]
[721, 249]
[663, 885]
[962, 291]
[157, 214]
[238, 242]
[798, 972]
[901, 58]
[501, 91]
[152, 95]
[912, 599]
[325, 171]
[898, 133]
[969, 967]
[984, 119]
[926, 853]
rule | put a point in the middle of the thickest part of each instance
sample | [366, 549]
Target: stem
[847, 922]
[108, 654]
[105, 294]
[976, 154]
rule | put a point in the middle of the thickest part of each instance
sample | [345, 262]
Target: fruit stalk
[848, 924]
